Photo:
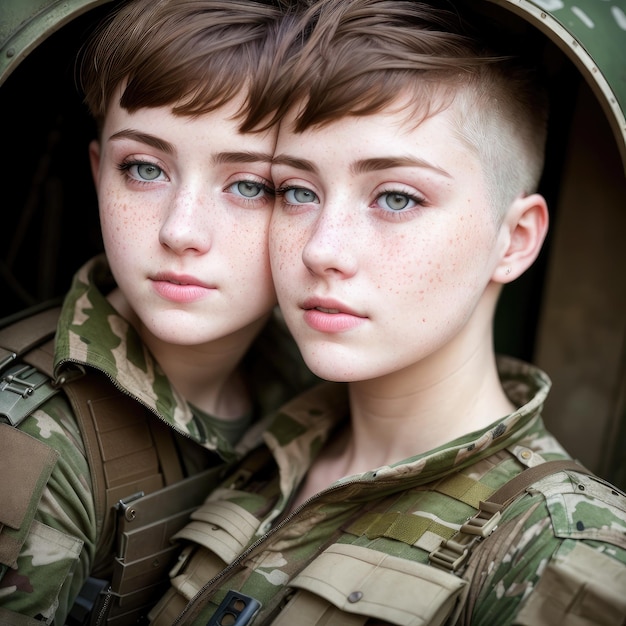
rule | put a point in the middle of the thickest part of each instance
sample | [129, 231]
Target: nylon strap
[124, 443]
[514, 487]
[453, 553]
[27, 333]
[464, 489]
[130, 451]
[500, 499]
[404, 527]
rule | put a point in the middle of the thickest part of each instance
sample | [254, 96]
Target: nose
[330, 248]
[185, 225]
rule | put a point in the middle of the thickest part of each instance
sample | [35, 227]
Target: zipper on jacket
[261, 540]
[103, 611]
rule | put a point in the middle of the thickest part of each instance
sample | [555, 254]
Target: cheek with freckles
[285, 250]
[124, 224]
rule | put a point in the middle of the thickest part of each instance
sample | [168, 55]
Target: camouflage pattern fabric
[60, 549]
[360, 549]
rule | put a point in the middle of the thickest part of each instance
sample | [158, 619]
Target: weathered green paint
[24, 24]
[592, 34]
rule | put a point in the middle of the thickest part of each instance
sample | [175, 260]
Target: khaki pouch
[347, 585]
[222, 527]
[25, 467]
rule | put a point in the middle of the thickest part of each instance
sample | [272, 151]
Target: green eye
[249, 189]
[395, 201]
[148, 171]
[300, 195]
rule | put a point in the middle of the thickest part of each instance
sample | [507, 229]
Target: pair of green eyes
[298, 195]
[246, 188]
[391, 201]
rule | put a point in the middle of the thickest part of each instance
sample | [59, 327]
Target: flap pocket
[221, 526]
[25, 466]
[362, 581]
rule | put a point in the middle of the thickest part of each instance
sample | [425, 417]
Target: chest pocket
[222, 526]
[348, 585]
[585, 507]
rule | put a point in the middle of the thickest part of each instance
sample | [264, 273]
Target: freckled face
[382, 244]
[185, 211]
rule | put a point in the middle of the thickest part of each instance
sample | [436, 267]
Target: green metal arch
[24, 24]
[592, 33]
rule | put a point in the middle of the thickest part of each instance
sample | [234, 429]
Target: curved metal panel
[24, 24]
[592, 33]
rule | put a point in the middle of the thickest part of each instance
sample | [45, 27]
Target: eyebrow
[298, 164]
[149, 140]
[384, 163]
[168, 148]
[364, 165]
[242, 157]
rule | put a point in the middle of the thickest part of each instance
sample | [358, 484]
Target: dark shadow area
[49, 210]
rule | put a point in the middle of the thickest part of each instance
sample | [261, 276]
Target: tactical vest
[141, 495]
[391, 589]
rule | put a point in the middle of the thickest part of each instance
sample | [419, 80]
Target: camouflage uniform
[361, 547]
[60, 551]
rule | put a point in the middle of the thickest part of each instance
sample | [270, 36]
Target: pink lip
[180, 288]
[330, 316]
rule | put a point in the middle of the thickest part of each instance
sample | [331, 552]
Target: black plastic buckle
[236, 609]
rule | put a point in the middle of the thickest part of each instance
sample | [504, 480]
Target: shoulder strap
[29, 338]
[28, 334]
[26, 363]
[131, 453]
[25, 463]
[518, 484]
[129, 450]
[453, 553]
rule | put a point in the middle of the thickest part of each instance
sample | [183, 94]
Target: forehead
[174, 106]
[208, 133]
[395, 132]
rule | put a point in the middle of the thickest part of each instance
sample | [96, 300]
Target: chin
[181, 331]
[327, 369]
[177, 338]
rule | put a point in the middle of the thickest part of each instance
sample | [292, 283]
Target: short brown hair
[192, 55]
[362, 54]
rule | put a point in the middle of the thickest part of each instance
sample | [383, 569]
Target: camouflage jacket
[61, 547]
[360, 548]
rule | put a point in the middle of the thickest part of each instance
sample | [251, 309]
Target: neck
[424, 407]
[207, 375]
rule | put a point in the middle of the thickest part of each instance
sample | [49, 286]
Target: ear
[524, 230]
[94, 160]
